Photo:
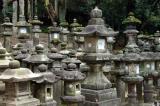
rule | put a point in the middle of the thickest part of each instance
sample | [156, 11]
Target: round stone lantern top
[14, 64]
[22, 22]
[131, 20]
[72, 74]
[35, 21]
[54, 50]
[96, 13]
[72, 66]
[17, 74]
[2, 51]
[42, 68]
[157, 34]
[75, 23]
[64, 24]
[24, 54]
[7, 22]
[54, 28]
[39, 47]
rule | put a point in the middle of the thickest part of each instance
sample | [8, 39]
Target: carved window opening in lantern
[23, 88]
[132, 68]
[101, 45]
[49, 92]
[78, 89]
[23, 30]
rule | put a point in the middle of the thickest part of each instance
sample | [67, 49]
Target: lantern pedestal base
[49, 103]
[107, 97]
[25, 102]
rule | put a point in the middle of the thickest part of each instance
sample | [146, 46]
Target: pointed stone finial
[96, 13]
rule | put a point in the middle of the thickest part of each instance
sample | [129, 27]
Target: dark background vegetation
[114, 12]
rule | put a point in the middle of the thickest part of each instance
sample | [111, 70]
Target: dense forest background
[114, 12]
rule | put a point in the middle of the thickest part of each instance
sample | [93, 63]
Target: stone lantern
[23, 55]
[72, 59]
[17, 49]
[118, 71]
[54, 35]
[131, 59]
[147, 70]
[23, 30]
[4, 64]
[57, 61]
[64, 51]
[34, 60]
[96, 87]
[17, 85]
[157, 60]
[44, 90]
[111, 38]
[7, 33]
[36, 30]
[72, 85]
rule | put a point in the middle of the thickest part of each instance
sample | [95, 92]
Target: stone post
[14, 16]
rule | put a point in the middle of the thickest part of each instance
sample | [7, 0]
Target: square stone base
[24, 102]
[106, 97]
[51, 103]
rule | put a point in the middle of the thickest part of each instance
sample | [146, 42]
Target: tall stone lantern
[147, 70]
[33, 61]
[17, 84]
[131, 59]
[4, 64]
[23, 30]
[36, 30]
[157, 60]
[44, 89]
[96, 87]
[54, 36]
[72, 85]
[7, 33]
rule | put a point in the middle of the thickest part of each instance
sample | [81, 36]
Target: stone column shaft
[132, 95]
[21, 6]
[7, 43]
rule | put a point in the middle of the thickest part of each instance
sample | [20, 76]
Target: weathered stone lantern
[17, 49]
[64, 35]
[119, 72]
[111, 38]
[7, 33]
[57, 61]
[157, 60]
[17, 85]
[147, 70]
[23, 30]
[96, 87]
[23, 55]
[4, 64]
[64, 51]
[44, 90]
[72, 59]
[33, 61]
[54, 35]
[36, 30]
[72, 85]
[132, 59]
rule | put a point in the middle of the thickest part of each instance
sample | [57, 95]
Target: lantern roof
[131, 19]
[4, 63]
[17, 74]
[47, 77]
[39, 57]
[55, 55]
[54, 28]
[64, 24]
[22, 22]
[72, 73]
[7, 22]
[36, 21]
[24, 54]
[96, 25]
[157, 34]
[75, 23]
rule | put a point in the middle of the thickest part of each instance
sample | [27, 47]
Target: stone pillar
[148, 91]
[132, 100]
[14, 16]
[21, 7]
